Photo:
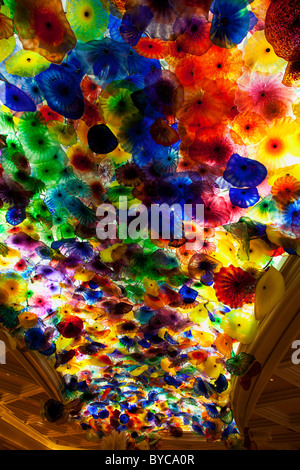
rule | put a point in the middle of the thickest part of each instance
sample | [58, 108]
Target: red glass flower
[42, 27]
[71, 327]
[234, 286]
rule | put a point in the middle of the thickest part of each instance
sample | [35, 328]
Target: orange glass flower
[150, 48]
[90, 89]
[50, 115]
[203, 106]
[220, 63]
[175, 56]
[6, 27]
[195, 38]
[228, 89]
[186, 73]
[213, 146]
[184, 255]
[286, 190]
[249, 126]
[223, 344]
[42, 27]
[163, 134]
[275, 109]
[80, 158]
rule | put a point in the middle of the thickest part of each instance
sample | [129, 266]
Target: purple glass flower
[134, 24]
[49, 273]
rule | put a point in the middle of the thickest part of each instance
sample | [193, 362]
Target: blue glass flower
[35, 338]
[230, 22]
[188, 294]
[15, 215]
[200, 388]
[134, 24]
[49, 351]
[291, 216]
[197, 428]
[84, 214]
[16, 99]
[105, 57]
[81, 248]
[62, 91]
[166, 160]
[221, 384]
[75, 66]
[32, 90]
[243, 172]
[113, 27]
[211, 410]
[244, 197]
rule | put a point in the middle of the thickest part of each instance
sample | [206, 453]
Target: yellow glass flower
[295, 139]
[88, 18]
[26, 64]
[3, 296]
[106, 254]
[28, 319]
[203, 338]
[259, 55]
[30, 229]
[63, 343]
[151, 287]
[259, 253]
[212, 367]
[65, 310]
[116, 105]
[296, 109]
[278, 148]
[226, 252]
[138, 371]
[199, 314]
[62, 133]
[70, 368]
[84, 275]
[15, 287]
[6, 47]
[207, 293]
[4, 263]
[119, 156]
[260, 7]
[60, 297]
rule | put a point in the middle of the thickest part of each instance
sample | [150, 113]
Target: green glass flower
[239, 364]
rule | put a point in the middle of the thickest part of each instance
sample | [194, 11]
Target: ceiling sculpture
[187, 104]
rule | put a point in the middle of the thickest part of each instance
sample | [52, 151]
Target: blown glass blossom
[149, 177]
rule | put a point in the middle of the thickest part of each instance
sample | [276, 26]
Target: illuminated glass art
[180, 103]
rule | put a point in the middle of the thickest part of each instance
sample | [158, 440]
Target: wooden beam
[279, 417]
[290, 374]
[275, 398]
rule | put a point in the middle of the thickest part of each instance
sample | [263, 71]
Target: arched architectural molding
[267, 404]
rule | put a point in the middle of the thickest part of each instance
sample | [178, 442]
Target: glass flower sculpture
[113, 113]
